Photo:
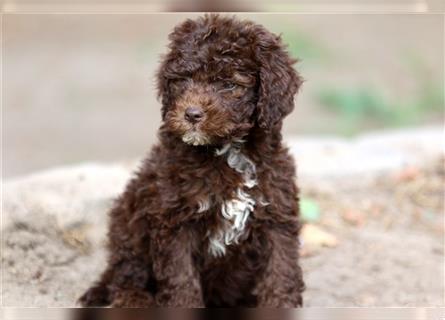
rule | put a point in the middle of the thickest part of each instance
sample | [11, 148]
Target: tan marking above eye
[239, 91]
[242, 79]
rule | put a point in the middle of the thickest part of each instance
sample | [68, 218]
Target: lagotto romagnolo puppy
[211, 217]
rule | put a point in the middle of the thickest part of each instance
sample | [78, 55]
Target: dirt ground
[377, 242]
[390, 249]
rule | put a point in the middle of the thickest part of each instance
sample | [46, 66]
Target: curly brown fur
[225, 86]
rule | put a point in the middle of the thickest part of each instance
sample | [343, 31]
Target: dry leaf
[315, 236]
[407, 174]
[353, 217]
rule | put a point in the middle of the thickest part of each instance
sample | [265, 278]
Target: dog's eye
[229, 86]
[177, 84]
[177, 81]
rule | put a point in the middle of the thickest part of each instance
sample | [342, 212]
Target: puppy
[211, 217]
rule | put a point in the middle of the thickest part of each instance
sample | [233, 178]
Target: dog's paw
[97, 296]
[132, 299]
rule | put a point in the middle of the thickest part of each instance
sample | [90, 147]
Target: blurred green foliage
[360, 107]
[367, 106]
[309, 210]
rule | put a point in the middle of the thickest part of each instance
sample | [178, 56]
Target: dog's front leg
[281, 284]
[176, 276]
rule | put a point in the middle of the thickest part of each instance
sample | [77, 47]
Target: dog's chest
[234, 211]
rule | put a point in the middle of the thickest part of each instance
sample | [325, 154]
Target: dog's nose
[193, 114]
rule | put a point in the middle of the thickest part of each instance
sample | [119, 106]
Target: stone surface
[367, 154]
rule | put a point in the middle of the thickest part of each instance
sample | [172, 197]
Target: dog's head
[221, 77]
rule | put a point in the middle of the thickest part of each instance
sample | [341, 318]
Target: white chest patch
[235, 211]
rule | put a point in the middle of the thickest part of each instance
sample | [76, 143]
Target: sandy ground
[377, 242]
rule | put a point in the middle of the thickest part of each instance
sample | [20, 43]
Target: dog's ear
[278, 80]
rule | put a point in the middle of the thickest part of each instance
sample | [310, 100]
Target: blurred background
[80, 87]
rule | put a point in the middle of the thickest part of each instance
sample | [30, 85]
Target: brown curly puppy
[211, 217]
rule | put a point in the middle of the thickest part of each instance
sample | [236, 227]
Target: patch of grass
[366, 106]
[355, 103]
[362, 107]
